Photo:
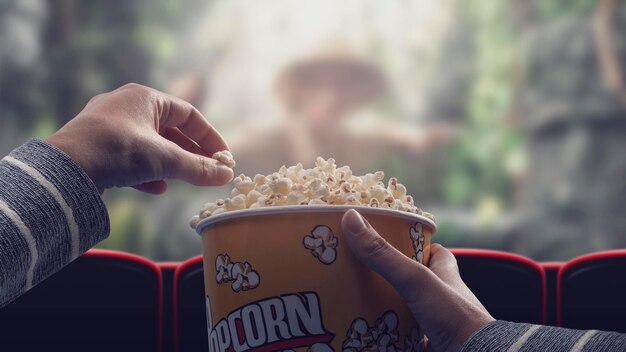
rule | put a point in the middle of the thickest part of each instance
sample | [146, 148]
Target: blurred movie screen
[504, 118]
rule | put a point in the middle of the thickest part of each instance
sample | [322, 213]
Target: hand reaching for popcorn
[137, 136]
[442, 304]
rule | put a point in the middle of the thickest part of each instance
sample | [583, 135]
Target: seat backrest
[552, 271]
[592, 292]
[190, 332]
[168, 270]
[510, 286]
[102, 301]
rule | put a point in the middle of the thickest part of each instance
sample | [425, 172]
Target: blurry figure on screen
[575, 122]
[319, 93]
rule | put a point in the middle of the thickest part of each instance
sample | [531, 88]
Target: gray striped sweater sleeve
[512, 337]
[50, 213]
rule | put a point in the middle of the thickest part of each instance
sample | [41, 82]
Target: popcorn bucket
[283, 279]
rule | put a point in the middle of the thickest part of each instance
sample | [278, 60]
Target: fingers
[179, 113]
[175, 135]
[196, 169]
[402, 272]
[444, 265]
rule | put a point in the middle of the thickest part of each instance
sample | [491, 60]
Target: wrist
[77, 155]
[467, 331]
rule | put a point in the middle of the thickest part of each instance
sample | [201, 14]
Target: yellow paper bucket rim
[294, 209]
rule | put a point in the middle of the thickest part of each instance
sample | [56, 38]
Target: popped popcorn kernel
[316, 201]
[281, 185]
[194, 221]
[235, 203]
[324, 184]
[225, 157]
[428, 215]
[295, 198]
[259, 179]
[243, 185]
[219, 211]
[252, 197]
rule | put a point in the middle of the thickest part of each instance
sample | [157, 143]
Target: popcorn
[324, 184]
[296, 198]
[235, 203]
[252, 197]
[259, 179]
[193, 222]
[225, 157]
[243, 185]
[318, 188]
[218, 211]
[429, 216]
[373, 179]
[317, 201]
[281, 185]
[398, 190]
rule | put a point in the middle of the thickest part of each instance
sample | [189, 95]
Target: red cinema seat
[190, 331]
[103, 301]
[510, 286]
[552, 271]
[592, 292]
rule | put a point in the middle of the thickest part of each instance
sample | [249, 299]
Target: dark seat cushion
[510, 286]
[190, 319]
[592, 292]
[103, 301]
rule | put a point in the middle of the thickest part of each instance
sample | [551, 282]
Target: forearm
[507, 336]
[50, 213]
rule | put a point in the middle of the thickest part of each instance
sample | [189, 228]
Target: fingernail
[355, 222]
[224, 173]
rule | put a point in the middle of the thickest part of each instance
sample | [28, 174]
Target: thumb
[369, 247]
[194, 168]
[152, 187]
[434, 305]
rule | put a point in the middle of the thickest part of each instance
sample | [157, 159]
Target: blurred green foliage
[555, 9]
[477, 163]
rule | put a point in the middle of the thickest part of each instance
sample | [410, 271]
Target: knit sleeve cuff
[496, 336]
[77, 189]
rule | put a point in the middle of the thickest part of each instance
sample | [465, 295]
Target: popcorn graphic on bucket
[240, 275]
[381, 336]
[277, 278]
[417, 236]
[322, 243]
